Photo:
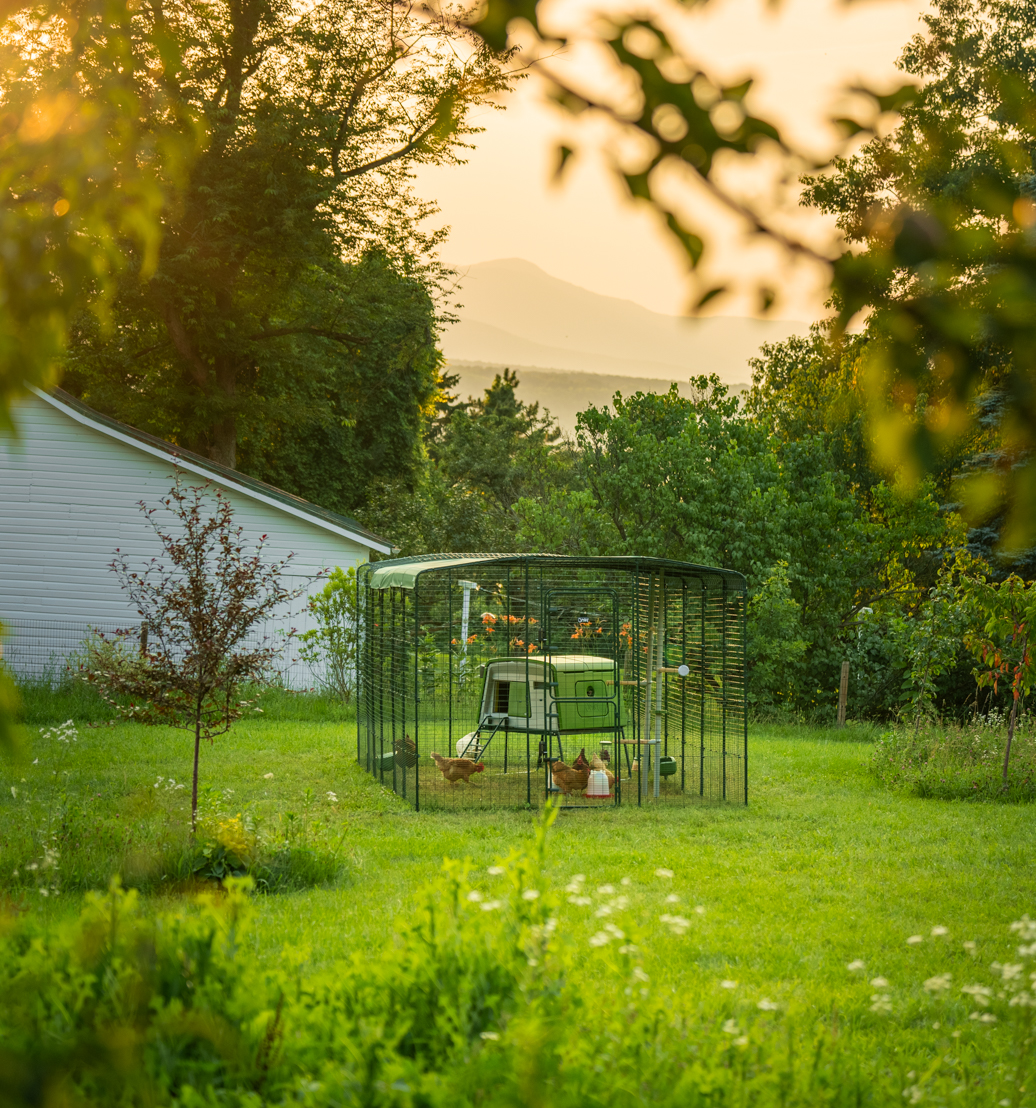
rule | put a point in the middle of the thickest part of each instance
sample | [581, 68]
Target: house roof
[229, 478]
[404, 572]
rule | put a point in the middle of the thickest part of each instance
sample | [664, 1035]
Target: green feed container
[666, 766]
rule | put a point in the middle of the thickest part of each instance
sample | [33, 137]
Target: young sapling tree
[200, 602]
[1004, 646]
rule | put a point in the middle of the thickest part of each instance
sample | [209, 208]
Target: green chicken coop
[479, 675]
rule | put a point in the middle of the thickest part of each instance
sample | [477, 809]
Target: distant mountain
[515, 314]
[563, 393]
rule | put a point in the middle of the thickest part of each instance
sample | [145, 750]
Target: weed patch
[949, 761]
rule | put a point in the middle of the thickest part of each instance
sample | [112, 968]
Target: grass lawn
[823, 866]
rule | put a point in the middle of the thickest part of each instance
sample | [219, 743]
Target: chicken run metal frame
[519, 661]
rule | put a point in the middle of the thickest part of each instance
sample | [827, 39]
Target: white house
[70, 487]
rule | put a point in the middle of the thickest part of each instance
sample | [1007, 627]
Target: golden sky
[502, 203]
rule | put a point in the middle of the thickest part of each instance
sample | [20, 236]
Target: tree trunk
[223, 435]
[1010, 735]
[194, 786]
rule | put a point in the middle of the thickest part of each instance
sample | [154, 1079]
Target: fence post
[843, 693]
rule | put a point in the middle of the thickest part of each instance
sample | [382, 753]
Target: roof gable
[247, 486]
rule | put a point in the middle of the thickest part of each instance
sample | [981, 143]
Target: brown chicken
[569, 779]
[581, 762]
[457, 769]
[597, 763]
[405, 751]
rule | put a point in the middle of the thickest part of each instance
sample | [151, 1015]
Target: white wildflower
[987, 1017]
[639, 974]
[267, 776]
[475, 896]
[855, 965]
[663, 872]
[677, 924]
[1022, 1000]
[741, 1040]
[491, 1036]
[914, 940]
[495, 871]
[728, 984]
[672, 898]
[574, 886]
[980, 993]
[731, 1027]
[767, 1005]
[939, 930]
[604, 910]
[700, 909]
[1026, 928]
[614, 931]
[970, 947]
[602, 938]
[531, 894]
[605, 890]
[490, 905]
[332, 797]
[629, 948]
[881, 1003]
[626, 881]
[879, 983]
[938, 983]
[1010, 972]
[580, 901]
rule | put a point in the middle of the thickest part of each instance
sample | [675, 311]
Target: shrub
[330, 647]
[950, 761]
[484, 997]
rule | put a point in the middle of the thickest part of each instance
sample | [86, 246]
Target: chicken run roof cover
[402, 573]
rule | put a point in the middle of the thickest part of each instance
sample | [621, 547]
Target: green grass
[823, 866]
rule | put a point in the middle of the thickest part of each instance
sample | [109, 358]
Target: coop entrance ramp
[496, 680]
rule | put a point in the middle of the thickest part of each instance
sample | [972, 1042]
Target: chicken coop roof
[404, 572]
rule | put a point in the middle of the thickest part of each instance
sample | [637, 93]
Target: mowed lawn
[822, 867]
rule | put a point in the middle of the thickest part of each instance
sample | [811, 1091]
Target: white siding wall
[69, 496]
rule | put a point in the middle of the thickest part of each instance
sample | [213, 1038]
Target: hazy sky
[502, 203]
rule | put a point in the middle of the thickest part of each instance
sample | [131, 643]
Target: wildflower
[855, 965]
[662, 872]
[614, 931]
[939, 930]
[1022, 1000]
[267, 776]
[1025, 927]
[629, 948]
[677, 924]
[639, 974]
[879, 983]
[938, 983]
[332, 798]
[987, 1017]
[881, 1003]
[620, 903]
[490, 905]
[741, 1040]
[914, 940]
[971, 948]
[492, 1036]
[602, 938]
[531, 894]
[474, 896]
[728, 984]
[580, 901]
[699, 909]
[980, 993]
[731, 1027]
[626, 881]
[1010, 972]
[495, 871]
[576, 884]
[605, 890]
[767, 1005]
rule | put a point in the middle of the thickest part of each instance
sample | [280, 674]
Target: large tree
[316, 115]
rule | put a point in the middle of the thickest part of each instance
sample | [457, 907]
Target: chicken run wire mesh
[497, 680]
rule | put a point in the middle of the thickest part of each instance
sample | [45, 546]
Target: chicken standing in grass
[581, 762]
[457, 769]
[569, 779]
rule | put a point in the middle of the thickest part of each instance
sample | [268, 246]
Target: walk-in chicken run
[497, 680]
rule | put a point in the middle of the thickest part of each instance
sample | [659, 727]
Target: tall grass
[952, 761]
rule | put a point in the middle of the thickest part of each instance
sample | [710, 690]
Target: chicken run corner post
[498, 680]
